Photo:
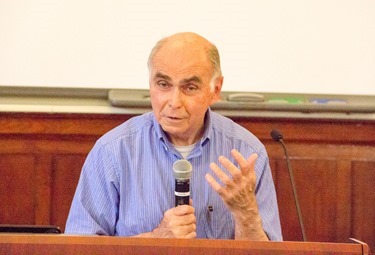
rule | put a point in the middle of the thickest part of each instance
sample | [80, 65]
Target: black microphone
[182, 172]
[278, 137]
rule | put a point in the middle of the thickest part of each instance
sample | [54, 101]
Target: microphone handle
[182, 192]
[296, 201]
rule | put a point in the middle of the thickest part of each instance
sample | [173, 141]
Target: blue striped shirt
[127, 182]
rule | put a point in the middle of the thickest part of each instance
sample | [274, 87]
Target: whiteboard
[288, 46]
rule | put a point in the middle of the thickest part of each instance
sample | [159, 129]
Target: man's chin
[172, 130]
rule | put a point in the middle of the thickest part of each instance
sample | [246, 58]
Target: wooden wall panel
[363, 197]
[41, 156]
[65, 175]
[328, 190]
[17, 188]
[43, 189]
[317, 190]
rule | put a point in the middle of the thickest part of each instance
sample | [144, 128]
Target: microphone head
[276, 135]
[182, 169]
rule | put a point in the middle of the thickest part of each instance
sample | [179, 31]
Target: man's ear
[217, 89]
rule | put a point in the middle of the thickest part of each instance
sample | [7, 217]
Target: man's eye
[163, 84]
[191, 88]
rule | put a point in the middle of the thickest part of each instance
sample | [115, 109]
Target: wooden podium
[82, 245]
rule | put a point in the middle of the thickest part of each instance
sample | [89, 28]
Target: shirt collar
[207, 127]
[161, 135]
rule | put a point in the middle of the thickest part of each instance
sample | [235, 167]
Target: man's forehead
[188, 78]
[193, 71]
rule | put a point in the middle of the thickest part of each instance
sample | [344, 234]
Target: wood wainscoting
[41, 156]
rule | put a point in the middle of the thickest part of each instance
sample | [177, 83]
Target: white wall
[289, 46]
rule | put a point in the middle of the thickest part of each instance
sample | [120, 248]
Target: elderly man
[126, 186]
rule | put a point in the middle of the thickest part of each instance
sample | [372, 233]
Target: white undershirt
[185, 150]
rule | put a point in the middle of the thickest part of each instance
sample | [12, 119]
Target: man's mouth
[173, 118]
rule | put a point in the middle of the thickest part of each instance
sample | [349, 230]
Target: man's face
[180, 92]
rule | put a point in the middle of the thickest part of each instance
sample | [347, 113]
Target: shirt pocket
[219, 223]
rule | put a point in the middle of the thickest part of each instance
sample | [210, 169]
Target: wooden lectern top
[69, 244]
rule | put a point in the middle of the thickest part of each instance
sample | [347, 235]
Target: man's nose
[175, 101]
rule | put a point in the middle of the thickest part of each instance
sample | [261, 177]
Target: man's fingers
[183, 210]
[245, 165]
[215, 185]
[224, 178]
[232, 169]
